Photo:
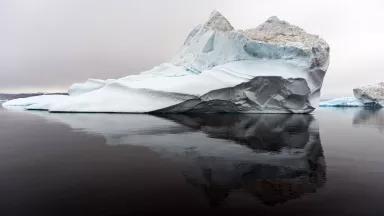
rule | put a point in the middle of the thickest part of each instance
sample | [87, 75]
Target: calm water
[328, 163]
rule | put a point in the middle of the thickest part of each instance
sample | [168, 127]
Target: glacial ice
[342, 102]
[276, 67]
[41, 102]
[371, 95]
[366, 96]
[261, 94]
[89, 85]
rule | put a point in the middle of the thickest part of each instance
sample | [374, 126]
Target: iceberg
[342, 102]
[273, 68]
[371, 95]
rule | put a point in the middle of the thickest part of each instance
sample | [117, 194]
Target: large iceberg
[273, 68]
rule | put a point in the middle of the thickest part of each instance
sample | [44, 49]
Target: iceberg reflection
[274, 157]
[370, 118]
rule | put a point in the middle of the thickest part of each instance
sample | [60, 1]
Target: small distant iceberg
[371, 96]
[342, 102]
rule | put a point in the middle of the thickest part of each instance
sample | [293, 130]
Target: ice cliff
[273, 68]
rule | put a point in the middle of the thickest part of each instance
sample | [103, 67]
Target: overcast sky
[47, 45]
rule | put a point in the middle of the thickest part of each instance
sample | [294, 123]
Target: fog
[47, 45]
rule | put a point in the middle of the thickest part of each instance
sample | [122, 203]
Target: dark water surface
[328, 163]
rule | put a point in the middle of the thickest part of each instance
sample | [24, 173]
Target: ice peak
[275, 26]
[215, 13]
[277, 31]
[273, 19]
[217, 21]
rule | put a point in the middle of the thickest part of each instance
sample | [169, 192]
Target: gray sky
[48, 45]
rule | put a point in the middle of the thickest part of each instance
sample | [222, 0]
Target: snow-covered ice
[214, 58]
[371, 95]
[365, 96]
[41, 102]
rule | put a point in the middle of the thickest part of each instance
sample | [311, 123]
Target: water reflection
[287, 137]
[370, 118]
[274, 157]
